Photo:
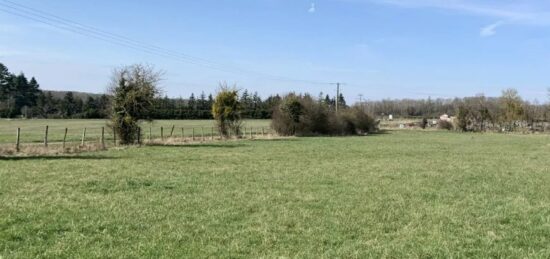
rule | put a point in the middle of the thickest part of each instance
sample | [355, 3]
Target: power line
[89, 31]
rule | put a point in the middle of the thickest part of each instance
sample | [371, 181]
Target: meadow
[32, 131]
[397, 194]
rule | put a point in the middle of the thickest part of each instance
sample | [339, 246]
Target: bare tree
[512, 107]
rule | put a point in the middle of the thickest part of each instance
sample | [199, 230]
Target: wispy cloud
[490, 29]
[494, 10]
[528, 12]
[312, 9]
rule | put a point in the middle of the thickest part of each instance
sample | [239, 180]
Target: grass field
[32, 131]
[400, 194]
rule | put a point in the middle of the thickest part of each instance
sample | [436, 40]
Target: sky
[378, 48]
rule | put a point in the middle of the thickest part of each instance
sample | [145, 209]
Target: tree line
[23, 98]
[477, 113]
[430, 108]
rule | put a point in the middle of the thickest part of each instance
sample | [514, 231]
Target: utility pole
[361, 101]
[337, 93]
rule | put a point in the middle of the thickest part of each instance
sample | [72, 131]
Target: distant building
[445, 117]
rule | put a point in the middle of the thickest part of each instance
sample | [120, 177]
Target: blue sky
[380, 48]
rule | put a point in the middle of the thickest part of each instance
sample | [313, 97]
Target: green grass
[402, 194]
[32, 131]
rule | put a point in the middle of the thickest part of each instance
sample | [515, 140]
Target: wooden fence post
[150, 133]
[139, 136]
[17, 139]
[202, 133]
[46, 136]
[161, 133]
[251, 137]
[183, 134]
[172, 132]
[102, 137]
[244, 133]
[193, 135]
[263, 132]
[65, 137]
[83, 137]
[114, 136]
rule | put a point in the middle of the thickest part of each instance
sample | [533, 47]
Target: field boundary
[107, 139]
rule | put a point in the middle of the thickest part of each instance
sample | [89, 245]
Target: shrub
[134, 89]
[286, 116]
[446, 125]
[302, 115]
[226, 110]
[424, 123]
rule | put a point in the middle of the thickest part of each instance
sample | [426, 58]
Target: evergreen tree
[18, 92]
[342, 102]
[32, 92]
[67, 106]
[192, 107]
[103, 105]
[202, 107]
[330, 102]
[245, 102]
[256, 103]
[90, 108]
[5, 81]
[210, 101]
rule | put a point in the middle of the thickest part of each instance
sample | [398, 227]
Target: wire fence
[104, 137]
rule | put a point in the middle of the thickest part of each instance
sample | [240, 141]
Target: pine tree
[342, 102]
[90, 109]
[33, 90]
[245, 102]
[5, 81]
[192, 106]
[18, 92]
[67, 105]
[203, 108]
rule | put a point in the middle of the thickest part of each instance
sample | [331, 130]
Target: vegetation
[227, 111]
[394, 195]
[477, 113]
[20, 97]
[445, 125]
[17, 93]
[302, 115]
[512, 108]
[32, 131]
[133, 89]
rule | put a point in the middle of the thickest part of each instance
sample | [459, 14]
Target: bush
[424, 123]
[286, 116]
[446, 125]
[303, 116]
[227, 111]
[133, 89]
